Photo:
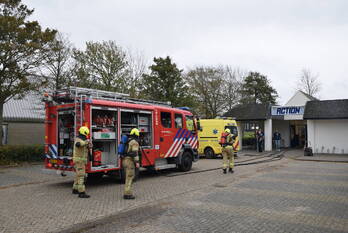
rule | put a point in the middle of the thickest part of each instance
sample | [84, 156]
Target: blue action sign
[287, 110]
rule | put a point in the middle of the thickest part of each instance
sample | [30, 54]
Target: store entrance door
[298, 134]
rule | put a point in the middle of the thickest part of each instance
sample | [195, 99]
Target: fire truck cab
[168, 136]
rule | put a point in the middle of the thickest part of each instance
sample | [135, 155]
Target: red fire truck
[168, 135]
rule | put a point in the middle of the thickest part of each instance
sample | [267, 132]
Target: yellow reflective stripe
[78, 159]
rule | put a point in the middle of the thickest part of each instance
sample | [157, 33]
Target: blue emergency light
[184, 108]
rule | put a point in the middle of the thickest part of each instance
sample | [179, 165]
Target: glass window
[4, 134]
[166, 119]
[178, 120]
[189, 123]
[233, 130]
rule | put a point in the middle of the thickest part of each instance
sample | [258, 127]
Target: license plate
[53, 161]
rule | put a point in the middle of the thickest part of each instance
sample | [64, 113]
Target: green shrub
[248, 134]
[249, 141]
[21, 153]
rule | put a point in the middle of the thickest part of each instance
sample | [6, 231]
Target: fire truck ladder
[79, 116]
[77, 92]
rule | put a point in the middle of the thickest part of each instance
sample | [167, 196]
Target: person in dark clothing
[260, 139]
[277, 137]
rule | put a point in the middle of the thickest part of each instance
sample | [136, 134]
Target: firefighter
[227, 153]
[81, 147]
[130, 161]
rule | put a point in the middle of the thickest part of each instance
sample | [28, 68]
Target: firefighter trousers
[129, 169]
[79, 182]
[228, 157]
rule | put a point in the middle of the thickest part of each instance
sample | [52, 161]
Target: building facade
[23, 121]
[303, 121]
[327, 126]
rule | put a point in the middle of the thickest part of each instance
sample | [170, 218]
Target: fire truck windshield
[189, 123]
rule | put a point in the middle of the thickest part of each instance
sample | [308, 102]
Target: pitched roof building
[30, 108]
[303, 121]
[24, 121]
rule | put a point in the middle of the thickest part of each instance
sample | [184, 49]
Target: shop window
[178, 121]
[233, 130]
[166, 119]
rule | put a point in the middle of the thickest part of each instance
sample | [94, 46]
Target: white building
[302, 121]
[327, 124]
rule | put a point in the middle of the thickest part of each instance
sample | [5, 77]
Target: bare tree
[137, 66]
[57, 68]
[207, 85]
[309, 83]
[232, 86]
[101, 65]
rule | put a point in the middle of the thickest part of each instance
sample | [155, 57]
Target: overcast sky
[277, 38]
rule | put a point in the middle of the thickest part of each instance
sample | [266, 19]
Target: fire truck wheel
[186, 162]
[209, 153]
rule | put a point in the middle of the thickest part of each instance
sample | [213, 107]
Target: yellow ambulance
[210, 134]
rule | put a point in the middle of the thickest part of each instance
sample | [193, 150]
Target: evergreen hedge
[10, 154]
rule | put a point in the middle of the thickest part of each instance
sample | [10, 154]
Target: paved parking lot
[281, 196]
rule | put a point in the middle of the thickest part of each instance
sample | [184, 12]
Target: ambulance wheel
[209, 153]
[186, 162]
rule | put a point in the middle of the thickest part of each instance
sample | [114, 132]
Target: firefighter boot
[74, 191]
[128, 197]
[230, 170]
[224, 170]
[83, 195]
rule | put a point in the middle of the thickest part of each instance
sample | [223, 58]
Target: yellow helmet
[227, 131]
[84, 130]
[135, 132]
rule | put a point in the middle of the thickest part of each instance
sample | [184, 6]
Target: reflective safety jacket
[80, 150]
[229, 141]
[133, 149]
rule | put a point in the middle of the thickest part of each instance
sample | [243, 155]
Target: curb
[321, 160]
[20, 165]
